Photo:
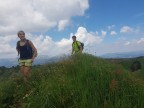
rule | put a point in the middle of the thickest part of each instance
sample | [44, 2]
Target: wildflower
[113, 85]
[119, 72]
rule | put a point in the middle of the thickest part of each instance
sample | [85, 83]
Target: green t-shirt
[75, 46]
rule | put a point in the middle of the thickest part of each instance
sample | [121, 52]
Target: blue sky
[105, 26]
[102, 13]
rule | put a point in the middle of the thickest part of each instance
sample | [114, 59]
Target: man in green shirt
[76, 46]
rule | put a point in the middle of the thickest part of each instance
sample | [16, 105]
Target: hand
[32, 60]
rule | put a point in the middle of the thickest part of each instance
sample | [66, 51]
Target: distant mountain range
[131, 54]
[45, 59]
[38, 61]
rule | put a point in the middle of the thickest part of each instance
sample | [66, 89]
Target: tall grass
[83, 81]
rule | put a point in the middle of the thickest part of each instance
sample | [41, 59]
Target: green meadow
[82, 81]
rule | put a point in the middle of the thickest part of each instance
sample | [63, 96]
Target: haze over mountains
[131, 54]
[42, 59]
[38, 61]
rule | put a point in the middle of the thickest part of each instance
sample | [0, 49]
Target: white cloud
[93, 43]
[111, 27]
[38, 15]
[45, 44]
[103, 33]
[140, 41]
[6, 46]
[97, 33]
[64, 46]
[112, 33]
[88, 38]
[126, 29]
[8, 38]
[127, 43]
[62, 24]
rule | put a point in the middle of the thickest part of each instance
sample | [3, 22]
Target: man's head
[74, 38]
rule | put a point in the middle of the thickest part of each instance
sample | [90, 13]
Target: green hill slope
[82, 81]
[127, 62]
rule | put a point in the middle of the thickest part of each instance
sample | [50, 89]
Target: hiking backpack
[82, 45]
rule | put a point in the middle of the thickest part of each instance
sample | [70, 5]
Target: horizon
[103, 26]
[63, 55]
[43, 59]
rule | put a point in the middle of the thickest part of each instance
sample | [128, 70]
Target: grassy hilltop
[83, 81]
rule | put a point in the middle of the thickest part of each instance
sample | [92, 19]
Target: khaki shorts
[26, 62]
